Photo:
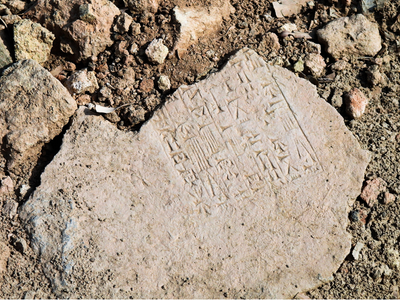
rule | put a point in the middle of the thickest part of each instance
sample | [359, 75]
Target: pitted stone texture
[347, 36]
[32, 41]
[84, 26]
[240, 184]
[34, 107]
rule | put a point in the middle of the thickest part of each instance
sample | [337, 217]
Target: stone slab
[239, 186]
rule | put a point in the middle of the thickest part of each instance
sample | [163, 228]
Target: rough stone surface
[5, 56]
[34, 107]
[348, 36]
[6, 185]
[32, 41]
[10, 208]
[164, 84]
[371, 190]
[196, 22]
[315, 64]
[239, 185]
[123, 23]
[84, 30]
[157, 51]
[141, 6]
[355, 102]
[4, 255]
[82, 81]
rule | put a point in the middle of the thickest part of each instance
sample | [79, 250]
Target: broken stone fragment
[156, 51]
[198, 22]
[315, 63]
[371, 191]
[123, 23]
[34, 107]
[32, 41]
[356, 251]
[355, 102]
[287, 8]
[6, 185]
[74, 21]
[10, 208]
[82, 81]
[204, 184]
[4, 255]
[164, 83]
[348, 36]
[388, 198]
[5, 56]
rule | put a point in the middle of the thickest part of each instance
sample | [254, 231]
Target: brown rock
[82, 81]
[230, 184]
[355, 102]
[27, 122]
[85, 31]
[83, 99]
[7, 185]
[371, 190]
[388, 198]
[123, 23]
[146, 85]
[140, 6]
[196, 22]
[348, 36]
[10, 208]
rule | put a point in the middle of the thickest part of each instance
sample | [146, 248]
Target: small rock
[393, 259]
[337, 98]
[135, 28]
[17, 6]
[105, 92]
[388, 198]
[157, 51]
[133, 49]
[7, 185]
[123, 23]
[290, 27]
[372, 189]
[82, 81]
[32, 41]
[164, 84]
[270, 42]
[374, 76]
[24, 189]
[313, 47]
[299, 66]
[87, 14]
[11, 19]
[340, 65]
[315, 64]
[4, 255]
[147, 85]
[355, 102]
[357, 249]
[29, 295]
[83, 99]
[348, 36]
[10, 208]
[4, 10]
[354, 215]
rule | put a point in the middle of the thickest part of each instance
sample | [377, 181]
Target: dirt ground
[376, 272]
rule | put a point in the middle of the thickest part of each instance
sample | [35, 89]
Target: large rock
[239, 185]
[83, 27]
[347, 36]
[34, 107]
[32, 41]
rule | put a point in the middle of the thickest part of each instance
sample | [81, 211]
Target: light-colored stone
[371, 190]
[5, 56]
[355, 102]
[156, 51]
[315, 64]
[287, 8]
[85, 27]
[34, 107]
[290, 27]
[82, 81]
[357, 249]
[6, 185]
[123, 23]
[388, 198]
[197, 22]
[240, 182]
[32, 41]
[164, 84]
[348, 36]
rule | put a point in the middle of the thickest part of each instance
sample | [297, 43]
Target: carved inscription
[234, 136]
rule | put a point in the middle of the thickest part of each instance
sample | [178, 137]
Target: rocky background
[136, 53]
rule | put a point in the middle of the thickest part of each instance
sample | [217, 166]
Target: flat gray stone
[240, 184]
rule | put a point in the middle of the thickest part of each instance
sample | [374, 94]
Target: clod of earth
[242, 180]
